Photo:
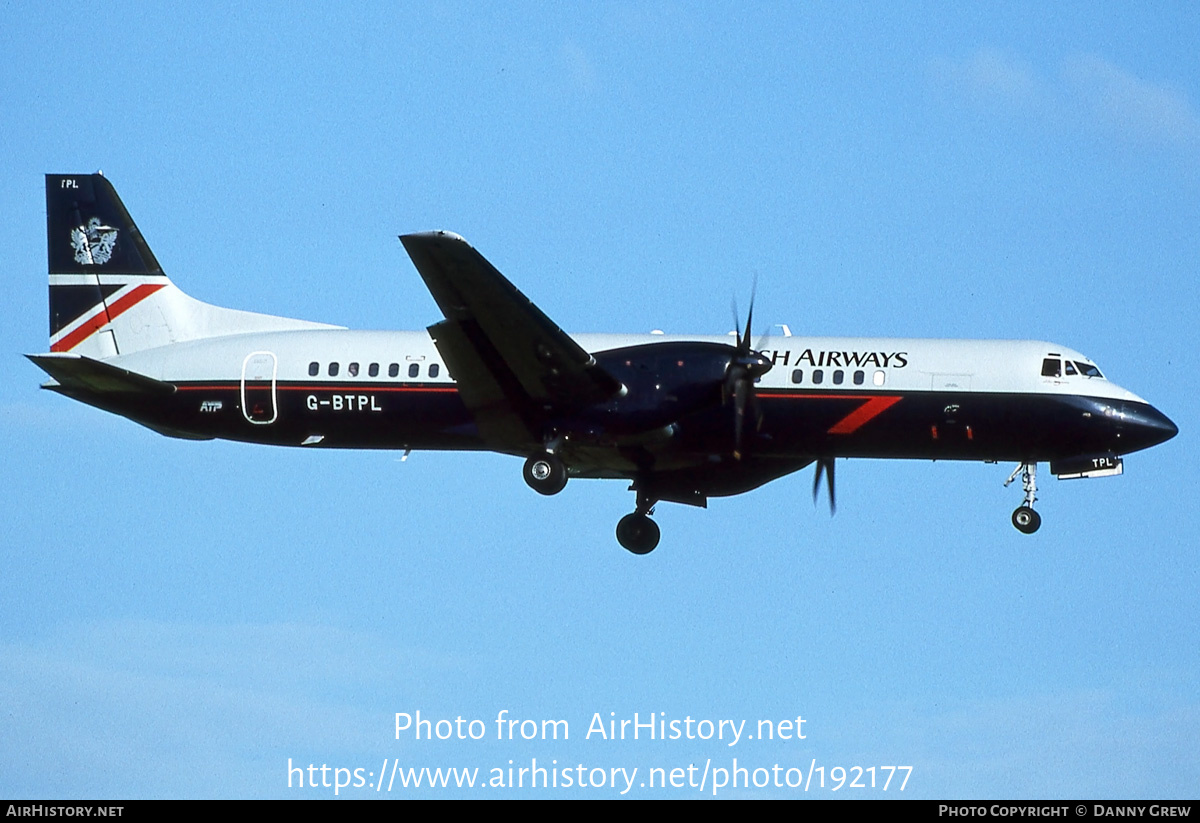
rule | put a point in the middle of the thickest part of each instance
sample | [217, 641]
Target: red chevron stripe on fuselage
[855, 420]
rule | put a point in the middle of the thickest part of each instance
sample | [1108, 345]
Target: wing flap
[485, 386]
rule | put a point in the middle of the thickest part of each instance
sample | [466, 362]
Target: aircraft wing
[514, 367]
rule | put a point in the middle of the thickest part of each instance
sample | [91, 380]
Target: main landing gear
[545, 474]
[637, 532]
[1026, 520]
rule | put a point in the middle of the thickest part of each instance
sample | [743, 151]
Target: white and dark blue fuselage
[683, 418]
[909, 398]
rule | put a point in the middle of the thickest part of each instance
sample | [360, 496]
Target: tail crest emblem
[93, 243]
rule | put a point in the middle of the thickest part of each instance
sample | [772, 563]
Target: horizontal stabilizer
[76, 373]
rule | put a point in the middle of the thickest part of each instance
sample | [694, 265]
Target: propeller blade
[745, 368]
[825, 466]
[832, 490]
[744, 343]
[741, 389]
[737, 323]
[762, 340]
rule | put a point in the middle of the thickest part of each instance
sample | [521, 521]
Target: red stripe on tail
[95, 323]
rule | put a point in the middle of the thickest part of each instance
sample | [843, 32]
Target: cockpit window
[1051, 367]
[1070, 367]
[1088, 370]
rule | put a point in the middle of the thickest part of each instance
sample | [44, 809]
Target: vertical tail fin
[100, 265]
[108, 294]
[89, 230]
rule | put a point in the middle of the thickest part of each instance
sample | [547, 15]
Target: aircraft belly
[328, 415]
[923, 425]
[796, 425]
[935, 425]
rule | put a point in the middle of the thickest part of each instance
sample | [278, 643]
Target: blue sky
[181, 618]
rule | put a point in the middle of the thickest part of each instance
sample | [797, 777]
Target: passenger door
[259, 371]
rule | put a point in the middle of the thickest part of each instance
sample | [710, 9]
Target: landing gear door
[259, 370]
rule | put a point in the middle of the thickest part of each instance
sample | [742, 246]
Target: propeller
[825, 467]
[745, 367]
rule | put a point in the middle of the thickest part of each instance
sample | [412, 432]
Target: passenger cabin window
[353, 369]
[879, 377]
[818, 376]
[413, 370]
[434, 368]
[1051, 367]
[838, 377]
[333, 369]
[394, 370]
[797, 375]
[314, 368]
[373, 370]
[858, 378]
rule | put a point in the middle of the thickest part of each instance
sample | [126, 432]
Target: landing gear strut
[1025, 519]
[637, 532]
[545, 474]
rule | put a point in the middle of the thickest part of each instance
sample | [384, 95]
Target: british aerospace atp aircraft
[682, 418]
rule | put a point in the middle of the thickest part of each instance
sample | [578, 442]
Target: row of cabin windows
[414, 369]
[817, 377]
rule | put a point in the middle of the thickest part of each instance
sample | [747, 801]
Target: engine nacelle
[664, 382]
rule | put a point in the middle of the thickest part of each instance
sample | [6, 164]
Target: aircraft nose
[1145, 426]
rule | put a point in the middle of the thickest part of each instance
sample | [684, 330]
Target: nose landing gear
[1025, 519]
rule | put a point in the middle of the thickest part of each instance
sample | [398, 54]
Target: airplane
[682, 418]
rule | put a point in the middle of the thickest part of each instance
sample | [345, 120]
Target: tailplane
[108, 294]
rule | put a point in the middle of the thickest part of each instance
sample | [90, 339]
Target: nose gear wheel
[1025, 519]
